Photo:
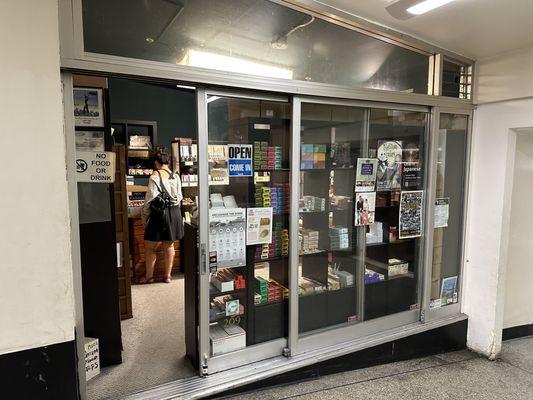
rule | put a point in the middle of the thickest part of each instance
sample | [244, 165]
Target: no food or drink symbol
[81, 165]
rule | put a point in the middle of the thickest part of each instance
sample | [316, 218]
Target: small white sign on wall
[92, 358]
[95, 166]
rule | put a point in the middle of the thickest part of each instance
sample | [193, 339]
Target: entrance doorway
[138, 329]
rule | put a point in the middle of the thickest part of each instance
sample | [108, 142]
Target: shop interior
[139, 327]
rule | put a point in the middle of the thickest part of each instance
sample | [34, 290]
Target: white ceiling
[473, 28]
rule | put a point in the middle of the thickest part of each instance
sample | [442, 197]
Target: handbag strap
[162, 184]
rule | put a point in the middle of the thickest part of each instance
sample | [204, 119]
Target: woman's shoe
[168, 279]
[143, 280]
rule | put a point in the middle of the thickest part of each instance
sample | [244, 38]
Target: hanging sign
[442, 212]
[95, 166]
[240, 160]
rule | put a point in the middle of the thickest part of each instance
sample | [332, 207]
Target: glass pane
[456, 80]
[249, 143]
[331, 141]
[393, 245]
[254, 37]
[449, 203]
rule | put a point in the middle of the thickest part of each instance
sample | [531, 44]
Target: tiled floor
[458, 375]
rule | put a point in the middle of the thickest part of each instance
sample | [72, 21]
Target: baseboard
[440, 340]
[517, 332]
[44, 373]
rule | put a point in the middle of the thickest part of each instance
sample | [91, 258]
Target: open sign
[240, 160]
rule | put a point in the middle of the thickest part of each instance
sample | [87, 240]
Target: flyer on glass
[411, 167]
[227, 236]
[365, 208]
[258, 225]
[88, 107]
[240, 160]
[442, 212]
[365, 175]
[448, 291]
[218, 164]
[410, 221]
[90, 141]
[389, 171]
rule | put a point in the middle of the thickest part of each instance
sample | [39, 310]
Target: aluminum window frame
[430, 315]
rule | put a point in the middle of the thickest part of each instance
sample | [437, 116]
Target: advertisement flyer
[258, 225]
[411, 167]
[218, 164]
[365, 174]
[448, 291]
[88, 107]
[240, 160]
[410, 221]
[227, 236]
[389, 172]
[442, 212]
[365, 208]
[90, 141]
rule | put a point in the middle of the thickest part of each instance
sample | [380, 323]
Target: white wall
[489, 217]
[518, 308]
[504, 77]
[36, 295]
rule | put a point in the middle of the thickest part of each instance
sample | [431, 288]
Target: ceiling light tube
[427, 5]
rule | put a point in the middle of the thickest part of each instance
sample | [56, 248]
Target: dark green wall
[173, 109]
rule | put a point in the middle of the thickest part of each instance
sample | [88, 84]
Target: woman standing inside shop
[162, 215]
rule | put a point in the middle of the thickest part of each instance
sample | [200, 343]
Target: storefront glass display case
[249, 193]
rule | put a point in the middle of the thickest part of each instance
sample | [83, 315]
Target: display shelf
[277, 258]
[313, 253]
[395, 243]
[214, 292]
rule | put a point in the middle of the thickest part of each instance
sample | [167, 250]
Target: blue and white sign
[240, 160]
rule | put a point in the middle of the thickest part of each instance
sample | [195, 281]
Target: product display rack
[267, 320]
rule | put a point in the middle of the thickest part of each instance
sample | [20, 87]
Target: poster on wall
[442, 212]
[389, 171]
[218, 164]
[88, 107]
[448, 291]
[365, 175]
[258, 225]
[410, 221]
[411, 167]
[365, 208]
[90, 141]
[240, 160]
[227, 236]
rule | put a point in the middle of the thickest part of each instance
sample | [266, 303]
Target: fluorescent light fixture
[186, 87]
[202, 59]
[427, 5]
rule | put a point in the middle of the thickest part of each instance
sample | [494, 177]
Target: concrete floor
[153, 341]
[454, 376]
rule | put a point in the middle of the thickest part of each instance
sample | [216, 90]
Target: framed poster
[88, 107]
[365, 174]
[365, 208]
[90, 141]
[410, 221]
[240, 160]
[389, 171]
[227, 236]
[258, 225]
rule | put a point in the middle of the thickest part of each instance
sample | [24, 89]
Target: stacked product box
[340, 279]
[339, 238]
[228, 280]
[373, 276]
[312, 204]
[278, 247]
[309, 286]
[269, 291]
[340, 202]
[225, 339]
[266, 157]
[276, 197]
[313, 156]
[308, 240]
[397, 267]
[261, 290]
[217, 309]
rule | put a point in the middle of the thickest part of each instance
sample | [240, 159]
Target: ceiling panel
[473, 28]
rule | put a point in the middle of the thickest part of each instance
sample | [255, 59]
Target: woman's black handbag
[163, 200]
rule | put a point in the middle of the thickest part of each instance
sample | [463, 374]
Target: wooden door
[122, 233]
